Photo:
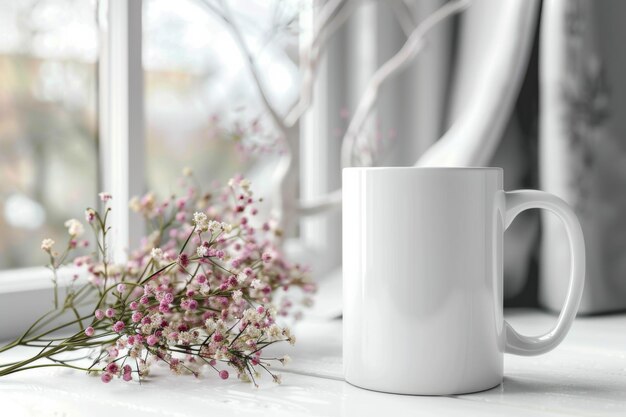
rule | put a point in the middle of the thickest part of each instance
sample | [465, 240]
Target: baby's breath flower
[245, 184]
[47, 244]
[156, 254]
[227, 227]
[74, 227]
[104, 196]
[90, 215]
[135, 204]
[274, 332]
[214, 226]
[201, 221]
[202, 251]
[221, 305]
[210, 325]
[241, 278]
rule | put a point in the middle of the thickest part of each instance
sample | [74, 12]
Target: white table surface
[584, 376]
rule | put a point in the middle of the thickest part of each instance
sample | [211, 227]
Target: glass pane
[48, 141]
[200, 98]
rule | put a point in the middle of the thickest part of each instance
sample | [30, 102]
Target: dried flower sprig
[205, 288]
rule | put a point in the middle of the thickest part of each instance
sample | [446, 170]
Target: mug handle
[516, 202]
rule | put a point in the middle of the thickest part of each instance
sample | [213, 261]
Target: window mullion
[122, 119]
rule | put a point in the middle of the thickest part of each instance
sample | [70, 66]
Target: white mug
[422, 273]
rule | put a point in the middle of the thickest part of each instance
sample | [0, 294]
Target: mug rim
[413, 168]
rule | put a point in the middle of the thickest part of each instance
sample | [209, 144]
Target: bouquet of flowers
[205, 288]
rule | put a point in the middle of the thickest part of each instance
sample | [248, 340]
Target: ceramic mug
[422, 273]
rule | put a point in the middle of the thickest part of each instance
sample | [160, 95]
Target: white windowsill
[585, 376]
[26, 294]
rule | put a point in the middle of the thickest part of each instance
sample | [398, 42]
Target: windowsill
[27, 294]
[578, 377]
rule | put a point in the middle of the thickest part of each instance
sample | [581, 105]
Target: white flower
[253, 332]
[285, 360]
[74, 227]
[210, 325]
[47, 244]
[156, 254]
[201, 221]
[215, 227]
[205, 289]
[202, 251]
[290, 338]
[277, 378]
[256, 284]
[104, 196]
[227, 227]
[135, 204]
[251, 315]
[245, 184]
[241, 278]
[237, 295]
[274, 332]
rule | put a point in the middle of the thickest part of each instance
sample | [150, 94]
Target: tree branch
[409, 50]
[329, 19]
[403, 15]
[226, 16]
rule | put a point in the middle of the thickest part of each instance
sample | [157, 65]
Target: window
[48, 122]
[200, 98]
[176, 91]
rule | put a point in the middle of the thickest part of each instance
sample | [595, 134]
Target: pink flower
[113, 368]
[109, 312]
[121, 288]
[127, 377]
[183, 260]
[104, 196]
[224, 374]
[89, 331]
[99, 314]
[168, 297]
[133, 305]
[106, 377]
[113, 352]
[266, 257]
[118, 326]
[90, 215]
[152, 340]
[136, 317]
